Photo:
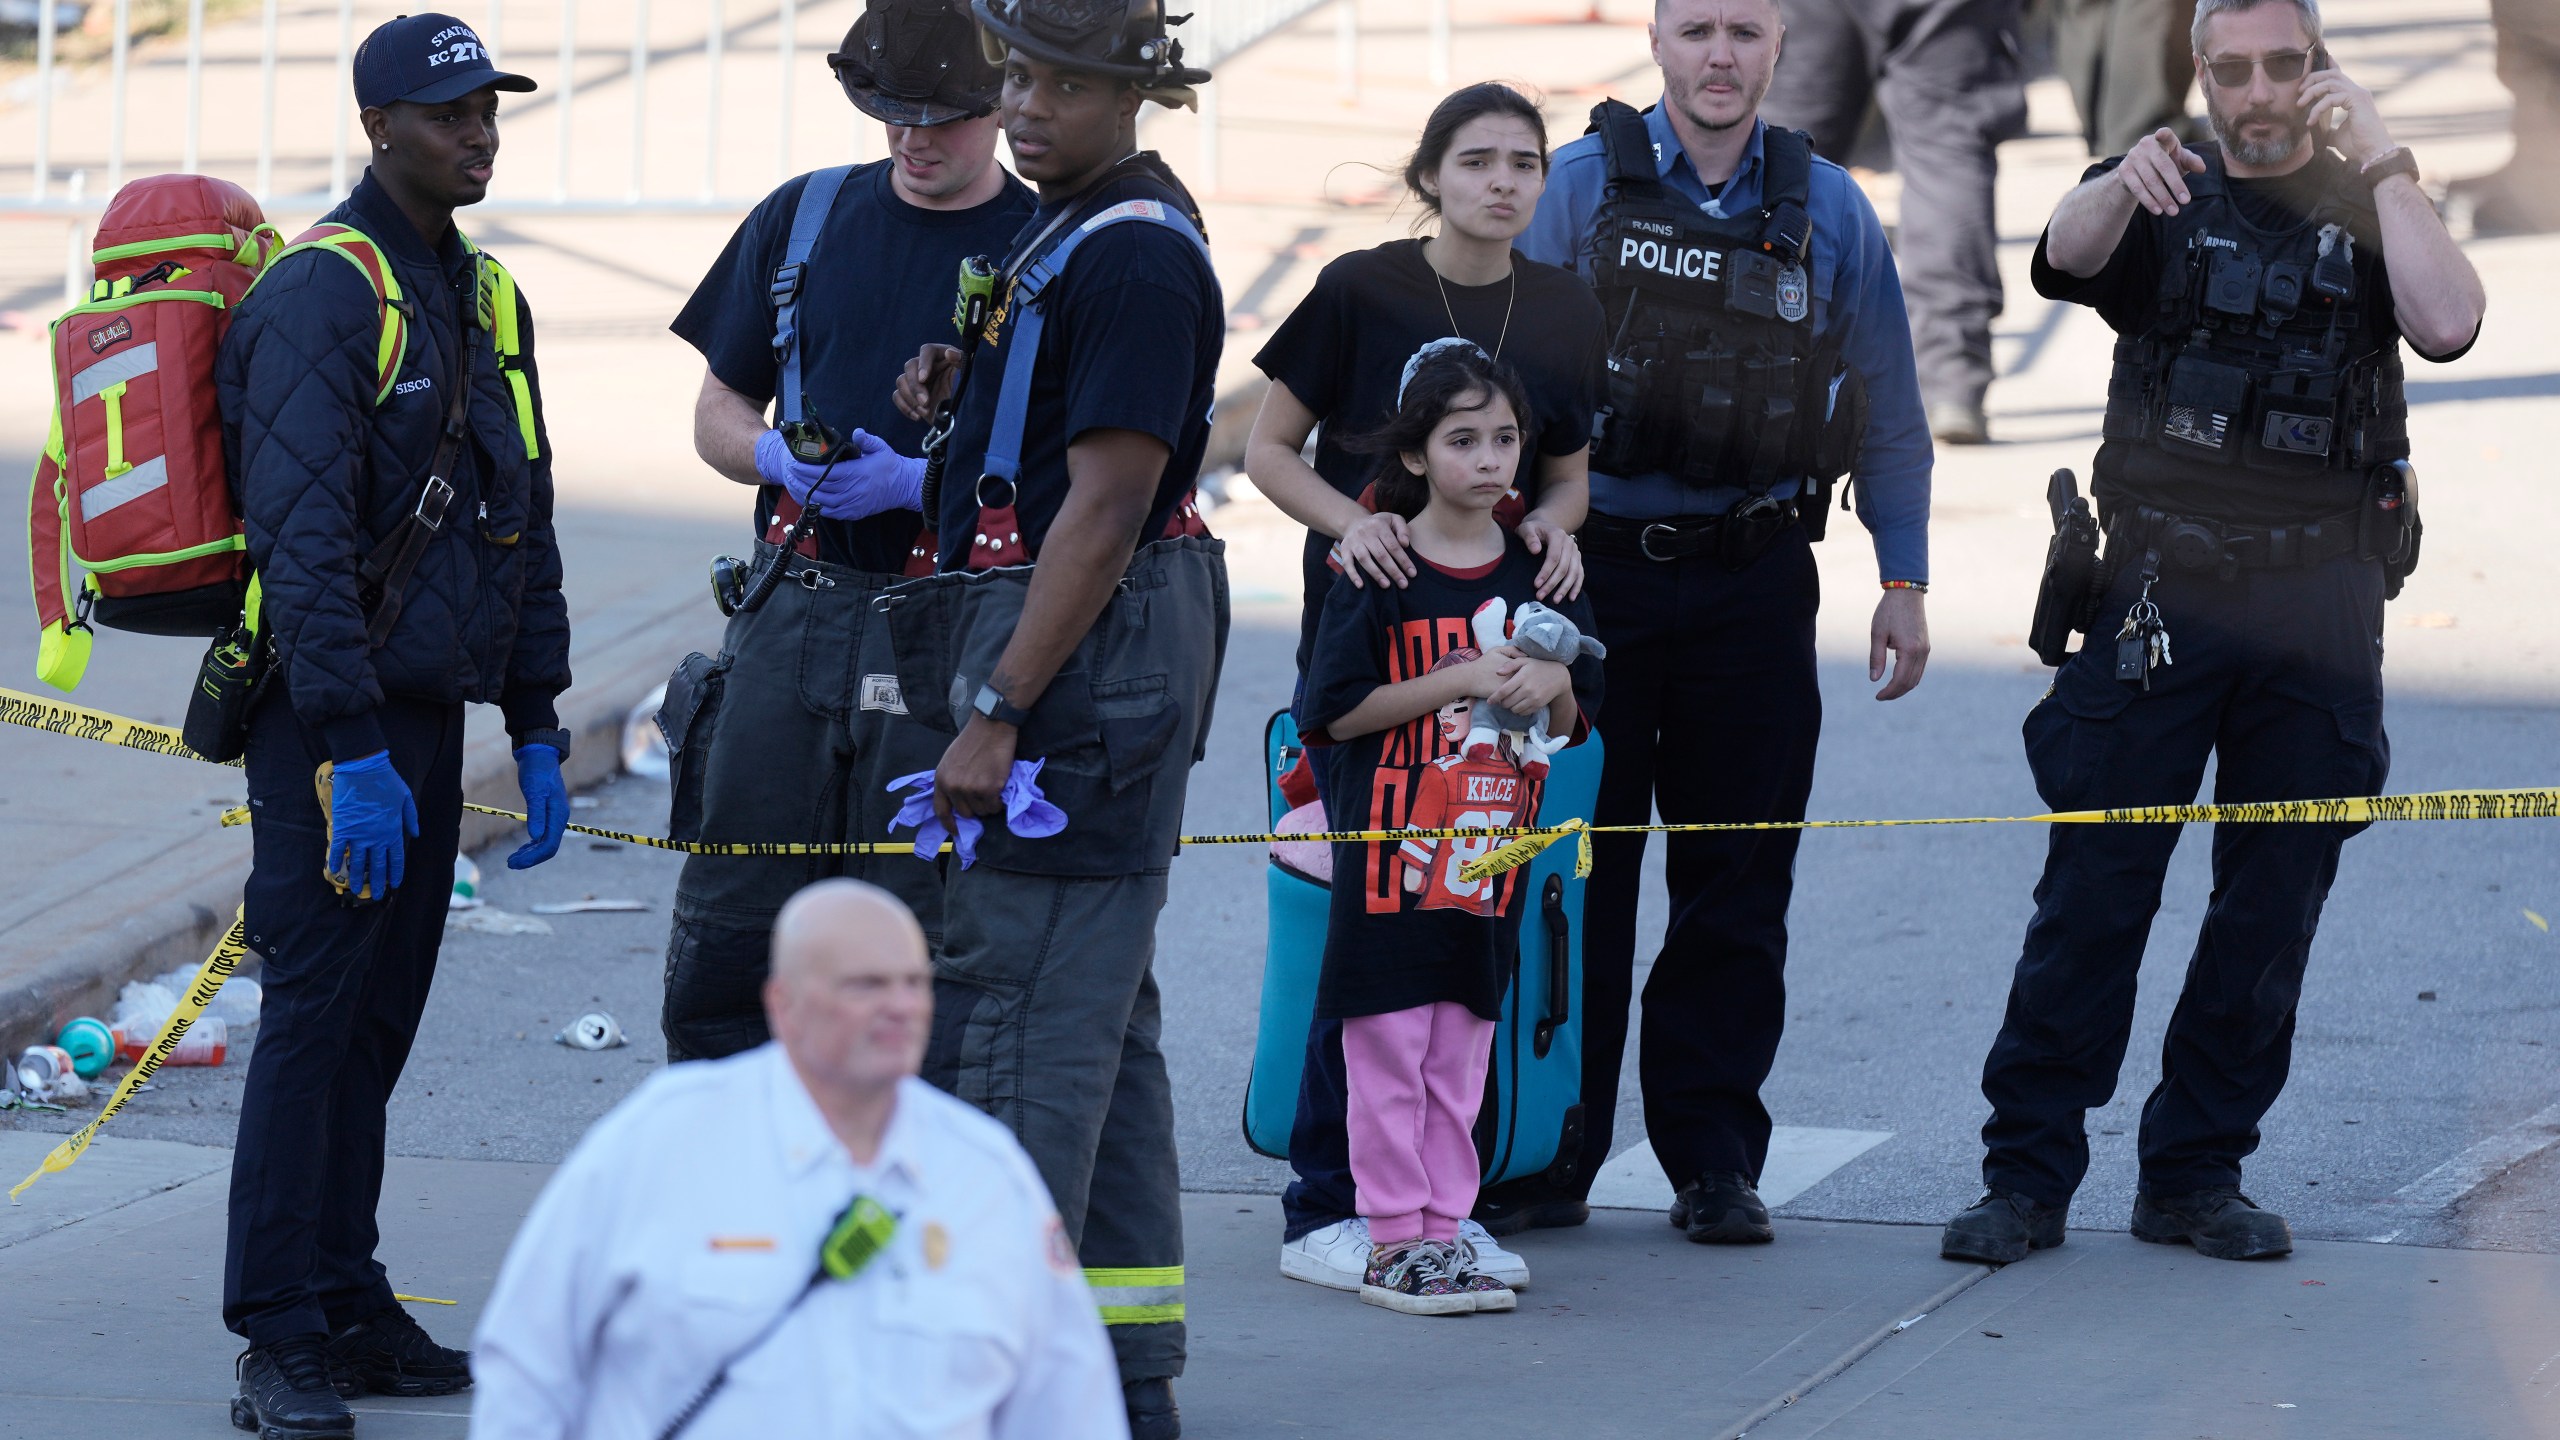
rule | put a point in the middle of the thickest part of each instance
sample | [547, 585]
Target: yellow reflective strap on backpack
[113, 398]
[357, 249]
[498, 312]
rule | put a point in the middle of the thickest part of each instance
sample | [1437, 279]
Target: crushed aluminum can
[592, 1031]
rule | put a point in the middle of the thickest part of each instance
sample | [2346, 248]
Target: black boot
[2001, 1228]
[1722, 1208]
[1530, 1205]
[2222, 1224]
[1152, 1413]
[389, 1354]
[285, 1394]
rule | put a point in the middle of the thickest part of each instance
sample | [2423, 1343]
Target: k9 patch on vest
[880, 692]
[2297, 434]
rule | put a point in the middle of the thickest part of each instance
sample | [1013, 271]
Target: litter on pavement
[595, 1030]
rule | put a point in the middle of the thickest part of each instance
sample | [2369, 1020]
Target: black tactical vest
[1714, 373]
[2252, 354]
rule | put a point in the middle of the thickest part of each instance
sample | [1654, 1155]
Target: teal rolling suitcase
[1531, 1121]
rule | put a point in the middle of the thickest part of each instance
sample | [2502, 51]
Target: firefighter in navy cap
[396, 500]
[1066, 656]
[826, 290]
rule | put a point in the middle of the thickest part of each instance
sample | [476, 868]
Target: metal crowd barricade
[1222, 29]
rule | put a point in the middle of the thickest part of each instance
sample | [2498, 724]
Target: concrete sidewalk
[1842, 1330]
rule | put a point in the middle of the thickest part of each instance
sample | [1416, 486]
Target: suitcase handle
[1559, 1007]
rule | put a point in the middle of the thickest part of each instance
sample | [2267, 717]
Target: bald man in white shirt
[671, 1275]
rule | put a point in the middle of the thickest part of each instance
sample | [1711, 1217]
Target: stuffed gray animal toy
[1539, 633]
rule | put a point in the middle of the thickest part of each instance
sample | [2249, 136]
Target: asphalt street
[2425, 1031]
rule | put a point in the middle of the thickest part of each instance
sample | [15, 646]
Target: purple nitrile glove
[917, 810]
[1027, 813]
[874, 480]
[776, 463]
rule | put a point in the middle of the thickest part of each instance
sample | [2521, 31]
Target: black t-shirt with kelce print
[1132, 338]
[1343, 350]
[1405, 929]
[2126, 294]
[880, 286]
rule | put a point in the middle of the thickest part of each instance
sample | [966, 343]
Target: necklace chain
[1512, 295]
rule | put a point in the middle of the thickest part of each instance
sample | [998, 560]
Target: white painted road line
[2446, 1185]
[1799, 1157]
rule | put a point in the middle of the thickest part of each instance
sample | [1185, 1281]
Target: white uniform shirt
[691, 1215]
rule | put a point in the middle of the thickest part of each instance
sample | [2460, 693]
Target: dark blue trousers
[345, 985]
[1714, 710]
[2278, 673]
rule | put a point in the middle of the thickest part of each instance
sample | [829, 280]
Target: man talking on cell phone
[2258, 506]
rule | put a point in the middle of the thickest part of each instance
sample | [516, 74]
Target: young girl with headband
[1415, 950]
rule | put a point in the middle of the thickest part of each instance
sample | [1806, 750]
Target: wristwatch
[992, 704]
[2395, 161]
[556, 739]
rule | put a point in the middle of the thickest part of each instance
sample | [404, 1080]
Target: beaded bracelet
[1922, 586]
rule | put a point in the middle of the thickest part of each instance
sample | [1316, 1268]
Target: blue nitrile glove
[546, 805]
[876, 480]
[370, 811]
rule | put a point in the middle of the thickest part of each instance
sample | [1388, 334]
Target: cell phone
[2320, 61]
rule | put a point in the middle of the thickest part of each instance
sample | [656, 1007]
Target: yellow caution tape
[35, 712]
[1525, 842]
[1522, 845]
[217, 968]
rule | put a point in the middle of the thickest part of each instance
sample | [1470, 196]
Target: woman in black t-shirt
[1480, 167]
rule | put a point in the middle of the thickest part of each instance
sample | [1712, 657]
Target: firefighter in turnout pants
[1069, 650]
[2258, 509]
[826, 290]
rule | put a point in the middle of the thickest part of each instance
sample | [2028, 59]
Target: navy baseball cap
[428, 59]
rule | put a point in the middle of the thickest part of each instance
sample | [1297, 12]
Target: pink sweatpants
[1416, 1078]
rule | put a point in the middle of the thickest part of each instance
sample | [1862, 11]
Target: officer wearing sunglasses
[2258, 506]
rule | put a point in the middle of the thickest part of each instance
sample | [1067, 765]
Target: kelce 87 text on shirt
[1423, 783]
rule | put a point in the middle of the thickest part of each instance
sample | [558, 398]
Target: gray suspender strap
[817, 199]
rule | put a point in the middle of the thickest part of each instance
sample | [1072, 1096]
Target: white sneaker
[1335, 1256]
[1491, 1259]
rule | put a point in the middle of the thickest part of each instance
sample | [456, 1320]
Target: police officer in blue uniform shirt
[1758, 351]
[2258, 508]
[1066, 656]
[786, 735]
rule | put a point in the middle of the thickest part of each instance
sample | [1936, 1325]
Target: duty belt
[2187, 543]
[1678, 538]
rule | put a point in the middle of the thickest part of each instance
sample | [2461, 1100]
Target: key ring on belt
[1644, 541]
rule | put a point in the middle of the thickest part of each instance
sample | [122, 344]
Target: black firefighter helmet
[916, 62]
[1125, 39]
